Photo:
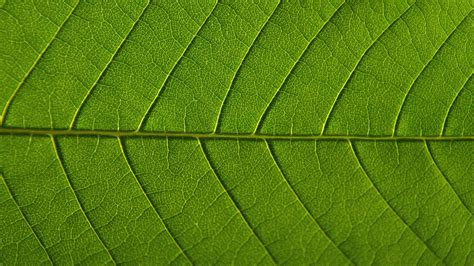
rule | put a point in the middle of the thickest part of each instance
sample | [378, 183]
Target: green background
[237, 132]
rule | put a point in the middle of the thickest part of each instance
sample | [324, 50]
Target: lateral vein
[438, 168]
[119, 47]
[331, 240]
[22, 82]
[234, 202]
[66, 175]
[388, 204]
[122, 149]
[26, 220]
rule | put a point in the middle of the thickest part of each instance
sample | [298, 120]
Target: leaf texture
[237, 132]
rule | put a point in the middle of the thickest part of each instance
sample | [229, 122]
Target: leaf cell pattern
[237, 132]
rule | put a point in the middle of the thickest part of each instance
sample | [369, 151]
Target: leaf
[237, 132]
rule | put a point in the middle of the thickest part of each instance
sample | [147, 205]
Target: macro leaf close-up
[236, 132]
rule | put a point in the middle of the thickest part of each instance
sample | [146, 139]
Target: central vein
[75, 132]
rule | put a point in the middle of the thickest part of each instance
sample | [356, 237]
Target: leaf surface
[237, 132]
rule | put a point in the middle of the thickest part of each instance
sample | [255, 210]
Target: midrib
[110, 133]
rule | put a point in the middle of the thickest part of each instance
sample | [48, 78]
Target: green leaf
[237, 132]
